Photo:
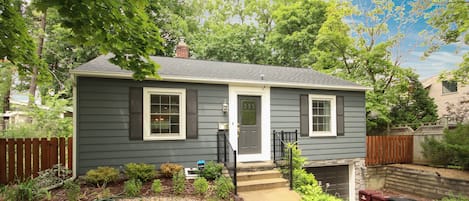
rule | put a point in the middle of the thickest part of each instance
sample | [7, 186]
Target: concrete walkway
[276, 194]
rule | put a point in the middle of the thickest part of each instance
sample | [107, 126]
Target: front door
[249, 121]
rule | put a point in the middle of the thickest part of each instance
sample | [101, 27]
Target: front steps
[259, 176]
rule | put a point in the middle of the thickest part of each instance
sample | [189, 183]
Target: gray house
[119, 120]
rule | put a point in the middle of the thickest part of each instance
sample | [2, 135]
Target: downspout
[75, 127]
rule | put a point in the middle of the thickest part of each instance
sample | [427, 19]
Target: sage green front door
[249, 120]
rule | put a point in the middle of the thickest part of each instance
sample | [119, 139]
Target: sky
[411, 48]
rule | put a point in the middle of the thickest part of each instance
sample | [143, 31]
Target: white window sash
[333, 115]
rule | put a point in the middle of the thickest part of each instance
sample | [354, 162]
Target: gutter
[123, 75]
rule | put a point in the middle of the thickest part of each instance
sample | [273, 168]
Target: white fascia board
[221, 81]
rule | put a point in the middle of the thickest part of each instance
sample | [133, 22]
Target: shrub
[105, 194]
[53, 176]
[303, 178]
[223, 187]
[72, 190]
[169, 169]
[27, 191]
[455, 198]
[201, 185]
[212, 170]
[452, 150]
[141, 171]
[132, 187]
[102, 175]
[179, 182]
[156, 186]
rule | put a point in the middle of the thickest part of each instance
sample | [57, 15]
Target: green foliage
[102, 175]
[201, 186]
[27, 191]
[455, 198]
[52, 176]
[16, 45]
[212, 170]
[303, 178]
[223, 187]
[415, 106]
[179, 182]
[156, 186]
[141, 171]
[72, 190]
[298, 160]
[452, 150]
[132, 187]
[169, 169]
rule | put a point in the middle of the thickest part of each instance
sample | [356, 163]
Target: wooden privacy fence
[381, 150]
[22, 158]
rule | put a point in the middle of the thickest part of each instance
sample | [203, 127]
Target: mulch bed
[89, 192]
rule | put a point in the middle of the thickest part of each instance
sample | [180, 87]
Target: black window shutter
[191, 114]
[304, 115]
[136, 113]
[340, 115]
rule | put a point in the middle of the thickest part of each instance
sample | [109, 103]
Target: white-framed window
[164, 114]
[322, 115]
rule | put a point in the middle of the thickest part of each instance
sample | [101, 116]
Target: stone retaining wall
[416, 182]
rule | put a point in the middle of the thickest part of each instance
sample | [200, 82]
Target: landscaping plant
[25, 191]
[102, 176]
[212, 170]
[179, 182]
[223, 187]
[169, 169]
[72, 190]
[201, 186]
[141, 171]
[156, 186]
[132, 187]
[52, 177]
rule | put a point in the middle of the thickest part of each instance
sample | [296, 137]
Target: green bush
[102, 175]
[201, 185]
[25, 191]
[211, 170]
[156, 186]
[453, 149]
[179, 182]
[169, 169]
[223, 187]
[303, 178]
[141, 171]
[72, 190]
[132, 187]
[455, 198]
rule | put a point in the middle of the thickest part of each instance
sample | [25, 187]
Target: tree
[295, 30]
[450, 22]
[415, 106]
[367, 58]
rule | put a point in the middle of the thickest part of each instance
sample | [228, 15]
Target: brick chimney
[182, 50]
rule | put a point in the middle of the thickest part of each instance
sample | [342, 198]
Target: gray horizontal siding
[103, 123]
[285, 115]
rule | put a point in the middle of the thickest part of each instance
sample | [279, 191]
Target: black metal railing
[283, 152]
[227, 155]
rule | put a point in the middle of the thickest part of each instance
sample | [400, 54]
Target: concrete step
[265, 174]
[255, 166]
[261, 184]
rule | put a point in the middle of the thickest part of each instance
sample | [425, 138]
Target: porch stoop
[262, 181]
[259, 176]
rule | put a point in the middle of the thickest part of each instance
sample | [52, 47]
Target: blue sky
[411, 48]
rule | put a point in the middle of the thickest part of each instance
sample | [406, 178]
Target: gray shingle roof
[224, 72]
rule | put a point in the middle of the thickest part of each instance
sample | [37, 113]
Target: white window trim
[147, 92]
[333, 131]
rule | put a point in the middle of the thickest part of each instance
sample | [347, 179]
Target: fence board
[27, 157]
[11, 160]
[62, 150]
[19, 158]
[381, 150]
[44, 154]
[3, 161]
[35, 156]
[70, 152]
[53, 151]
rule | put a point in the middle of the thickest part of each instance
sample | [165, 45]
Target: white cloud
[436, 63]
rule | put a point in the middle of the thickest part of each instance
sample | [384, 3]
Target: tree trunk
[33, 81]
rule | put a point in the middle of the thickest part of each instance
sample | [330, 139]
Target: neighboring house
[444, 92]
[119, 120]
